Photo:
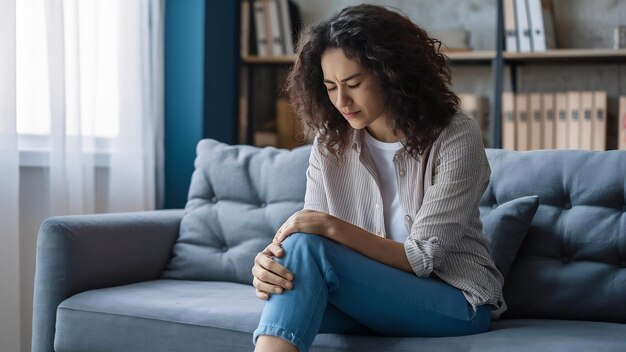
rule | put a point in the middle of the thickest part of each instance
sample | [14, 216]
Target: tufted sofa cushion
[238, 198]
[572, 263]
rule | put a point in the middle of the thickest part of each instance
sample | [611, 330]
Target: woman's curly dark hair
[413, 74]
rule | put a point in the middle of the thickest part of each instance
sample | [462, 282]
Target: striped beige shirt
[439, 193]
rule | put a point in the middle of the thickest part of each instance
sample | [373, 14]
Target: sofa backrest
[572, 263]
[238, 198]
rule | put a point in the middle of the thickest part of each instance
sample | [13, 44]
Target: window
[68, 81]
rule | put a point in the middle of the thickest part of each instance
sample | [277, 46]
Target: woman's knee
[302, 239]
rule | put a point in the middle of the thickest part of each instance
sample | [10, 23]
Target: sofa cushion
[506, 226]
[177, 315]
[238, 198]
[572, 263]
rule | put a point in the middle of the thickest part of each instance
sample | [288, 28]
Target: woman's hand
[308, 221]
[270, 276]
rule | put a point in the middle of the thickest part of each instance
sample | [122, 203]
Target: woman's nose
[343, 99]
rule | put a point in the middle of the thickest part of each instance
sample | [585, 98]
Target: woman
[389, 241]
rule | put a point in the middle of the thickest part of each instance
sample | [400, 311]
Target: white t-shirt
[383, 154]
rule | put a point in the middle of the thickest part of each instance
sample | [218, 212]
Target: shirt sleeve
[315, 196]
[450, 205]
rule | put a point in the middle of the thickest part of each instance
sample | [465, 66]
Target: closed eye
[354, 85]
[331, 88]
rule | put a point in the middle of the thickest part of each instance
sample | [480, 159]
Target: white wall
[33, 209]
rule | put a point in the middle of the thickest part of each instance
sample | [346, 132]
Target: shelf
[471, 56]
[272, 60]
[478, 56]
[558, 56]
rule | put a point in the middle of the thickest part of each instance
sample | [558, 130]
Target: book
[245, 28]
[621, 127]
[510, 29]
[521, 122]
[548, 24]
[586, 120]
[541, 24]
[242, 136]
[286, 124]
[290, 24]
[276, 33]
[265, 139]
[560, 123]
[535, 121]
[599, 120]
[548, 115]
[573, 120]
[508, 121]
[262, 83]
[524, 39]
[477, 107]
[260, 28]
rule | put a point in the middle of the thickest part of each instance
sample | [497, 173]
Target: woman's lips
[350, 115]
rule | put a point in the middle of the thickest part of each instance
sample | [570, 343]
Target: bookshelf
[502, 70]
[559, 56]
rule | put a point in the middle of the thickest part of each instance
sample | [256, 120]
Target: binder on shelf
[524, 38]
[508, 121]
[521, 121]
[573, 120]
[599, 120]
[621, 142]
[277, 37]
[477, 107]
[535, 121]
[541, 24]
[260, 28]
[510, 29]
[586, 120]
[560, 123]
[290, 23]
[548, 120]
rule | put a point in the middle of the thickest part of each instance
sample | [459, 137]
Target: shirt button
[377, 206]
[402, 173]
[407, 218]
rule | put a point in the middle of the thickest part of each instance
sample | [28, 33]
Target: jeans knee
[302, 239]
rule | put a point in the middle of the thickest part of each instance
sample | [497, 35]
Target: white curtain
[9, 186]
[81, 90]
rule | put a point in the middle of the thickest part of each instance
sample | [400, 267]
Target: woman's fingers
[275, 249]
[262, 295]
[269, 281]
[270, 264]
[265, 287]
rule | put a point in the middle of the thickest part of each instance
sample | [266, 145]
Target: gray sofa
[175, 280]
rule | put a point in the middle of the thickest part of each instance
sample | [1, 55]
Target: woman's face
[356, 94]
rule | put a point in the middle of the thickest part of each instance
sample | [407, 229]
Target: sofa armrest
[85, 252]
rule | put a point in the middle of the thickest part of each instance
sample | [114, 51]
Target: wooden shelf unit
[499, 60]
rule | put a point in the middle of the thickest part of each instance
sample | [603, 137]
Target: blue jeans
[337, 290]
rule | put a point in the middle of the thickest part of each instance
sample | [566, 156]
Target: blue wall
[199, 102]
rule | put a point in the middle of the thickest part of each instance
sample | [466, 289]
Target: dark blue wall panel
[184, 93]
[221, 70]
[201, 65]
